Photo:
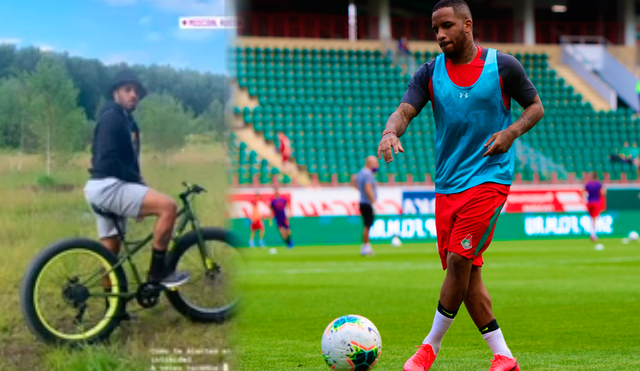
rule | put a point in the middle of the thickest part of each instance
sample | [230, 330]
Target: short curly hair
[460, 7]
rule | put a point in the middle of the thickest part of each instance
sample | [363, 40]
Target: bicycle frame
[186, 216]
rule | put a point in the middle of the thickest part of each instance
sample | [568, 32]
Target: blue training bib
[465, 118]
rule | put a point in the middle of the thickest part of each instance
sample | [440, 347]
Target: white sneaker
[366, 250]
[175, 279]
[169, 279]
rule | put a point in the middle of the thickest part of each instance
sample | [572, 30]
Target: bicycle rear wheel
[63, 293]
[211, 294]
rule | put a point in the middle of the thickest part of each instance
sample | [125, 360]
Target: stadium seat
[244, 163]
[334, 103]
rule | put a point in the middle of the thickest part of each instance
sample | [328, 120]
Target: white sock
[440, 326]
[496, 342]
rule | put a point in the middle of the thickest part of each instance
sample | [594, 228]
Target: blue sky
[132, 31]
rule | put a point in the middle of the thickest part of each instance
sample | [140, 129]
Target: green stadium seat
[333, 103]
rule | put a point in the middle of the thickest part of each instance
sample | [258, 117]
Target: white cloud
[181, 7]
[45, 48]
[10, 40]
[187, 34]
[154, 36]
[176, 61]
[114, 59]
[132, 57]
[192, 7]
[146, 20]
[120, 2]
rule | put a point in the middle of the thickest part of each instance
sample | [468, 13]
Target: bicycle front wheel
[211, 294]
[64, 293]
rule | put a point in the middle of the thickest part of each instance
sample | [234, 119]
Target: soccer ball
[351, 343]
[395, 241]
[633, 236]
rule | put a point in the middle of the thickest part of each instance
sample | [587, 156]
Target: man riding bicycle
[116, 185]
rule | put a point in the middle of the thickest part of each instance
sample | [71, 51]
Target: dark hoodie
[113, 152]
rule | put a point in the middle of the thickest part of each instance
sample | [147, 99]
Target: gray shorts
[114, 195]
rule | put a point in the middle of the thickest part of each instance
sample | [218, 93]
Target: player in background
[634, 153]
[285, 150]
[628, 155]
[256, 223]
[365, 181]
[280, 210]
[470, 89]
[638, 92]
[594, 194]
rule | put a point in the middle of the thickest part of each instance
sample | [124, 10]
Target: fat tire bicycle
[87, 301]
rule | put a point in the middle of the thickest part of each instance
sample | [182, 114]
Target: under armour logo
[466, 95]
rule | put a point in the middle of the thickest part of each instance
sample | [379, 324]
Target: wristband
[389, 132]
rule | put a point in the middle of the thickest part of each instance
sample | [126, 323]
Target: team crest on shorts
[466, 243]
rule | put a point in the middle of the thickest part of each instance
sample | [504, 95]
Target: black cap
[127, 77]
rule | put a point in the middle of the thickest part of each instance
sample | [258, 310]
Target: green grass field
[31, 219]
[561, 305]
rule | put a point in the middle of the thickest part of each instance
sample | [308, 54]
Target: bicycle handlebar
[191, 189]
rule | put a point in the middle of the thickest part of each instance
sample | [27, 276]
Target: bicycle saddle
[104, 212]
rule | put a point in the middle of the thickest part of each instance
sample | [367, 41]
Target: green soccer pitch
[561, 304]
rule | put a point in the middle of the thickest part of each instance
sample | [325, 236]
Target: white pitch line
[387, 266]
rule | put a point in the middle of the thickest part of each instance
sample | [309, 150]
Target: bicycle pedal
[154, 287]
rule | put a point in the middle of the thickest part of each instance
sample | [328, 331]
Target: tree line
[49, 102]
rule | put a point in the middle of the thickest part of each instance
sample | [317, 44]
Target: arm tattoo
[529, 117]
[400, 119]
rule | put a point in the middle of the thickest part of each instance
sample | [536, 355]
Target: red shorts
[257, 225]
[285, 158]
[595, 208]
[465, 221]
